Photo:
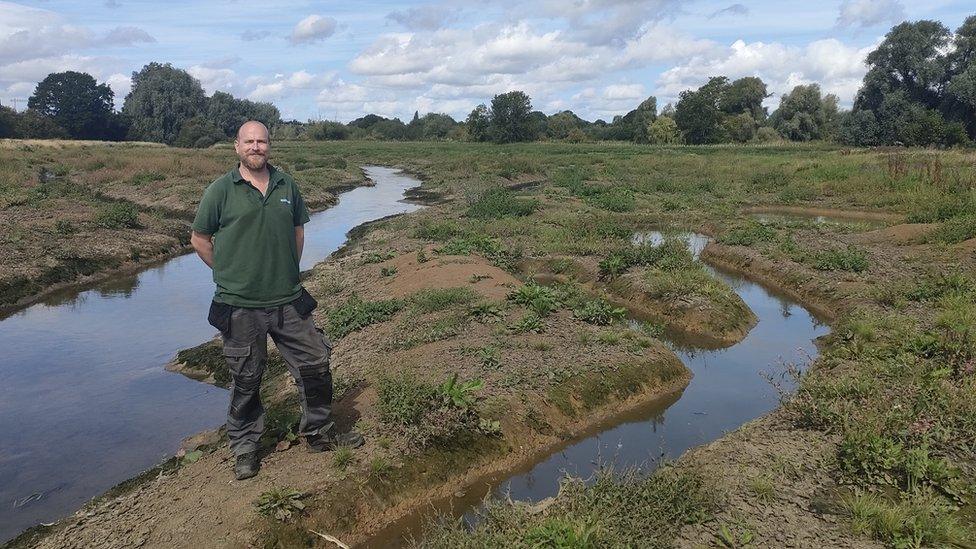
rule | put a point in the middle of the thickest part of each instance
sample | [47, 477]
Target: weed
[460, 395]
[342, 457]
[955, 230]
[403, 399]
[748, 234]
[64, 227]
[378, 257]
[422, 256]
[498, 202]
[734, 537]
[530, 322]
[598, 311]
[762, 487]
[539, 299]
[120, 215]
[280, 503]
[849, 259]
[486, 312]
[388, 271]
[918, 521]
[489, 357]
[439, 231]
[559, 533]
[356, 314]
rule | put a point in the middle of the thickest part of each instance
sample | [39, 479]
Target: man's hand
[203, 244]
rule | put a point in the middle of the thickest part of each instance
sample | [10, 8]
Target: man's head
[252, 145]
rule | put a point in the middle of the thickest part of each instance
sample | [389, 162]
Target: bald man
[249, 228]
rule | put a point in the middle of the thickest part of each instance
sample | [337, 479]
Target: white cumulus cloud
[312, 29]
[869, 13]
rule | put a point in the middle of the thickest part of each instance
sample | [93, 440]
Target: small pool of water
[84, 400]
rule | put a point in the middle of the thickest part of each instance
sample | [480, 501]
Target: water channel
[84, 400]
[729, 388]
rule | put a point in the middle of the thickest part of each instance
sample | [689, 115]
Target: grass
[617, 510]
[438, 299]
[498, 202]
[356, 314]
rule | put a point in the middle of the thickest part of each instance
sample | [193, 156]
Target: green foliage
[848, 259]
[342, 457]
[460, 395]
[530, 322]
[388, 271]
[199, 133]
[281, 504]
[163, 98]
[378, 257]
[486, 311]
[663, 131]
[919, 521]
[65, 227]
[748, 234]
[510, 118]
[499, 202]
[559, 533]
[403, 400]
[956, 230]
[356, 314]
[228, 113]
[76, 103]
[119, 215]
[539, 299]
[598, 311]
[328, 131]
[805, 114]
[670, 255]
[142, 178]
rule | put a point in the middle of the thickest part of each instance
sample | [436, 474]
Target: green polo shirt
[255, 253]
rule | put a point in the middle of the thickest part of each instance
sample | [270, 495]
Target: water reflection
[84, 400]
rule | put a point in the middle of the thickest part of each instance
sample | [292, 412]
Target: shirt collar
[275, 176]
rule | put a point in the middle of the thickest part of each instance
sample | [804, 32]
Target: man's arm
[204, 246]
[299, 240]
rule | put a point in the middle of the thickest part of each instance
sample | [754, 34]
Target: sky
[342, 60]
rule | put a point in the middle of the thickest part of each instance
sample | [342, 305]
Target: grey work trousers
[306, 352]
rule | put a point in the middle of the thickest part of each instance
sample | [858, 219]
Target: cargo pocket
[326, 342]
[236, 358]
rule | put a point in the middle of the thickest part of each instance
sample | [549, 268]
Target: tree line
[920, 90]
[166, 105]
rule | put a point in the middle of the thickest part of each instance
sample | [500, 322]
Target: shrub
[120, 215]
[498, 202]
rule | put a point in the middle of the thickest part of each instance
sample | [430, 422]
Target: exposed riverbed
[84, 400]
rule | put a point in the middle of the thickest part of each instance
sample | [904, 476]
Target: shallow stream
[84, 400]
[729, 388]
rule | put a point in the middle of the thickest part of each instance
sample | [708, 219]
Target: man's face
[252, 146]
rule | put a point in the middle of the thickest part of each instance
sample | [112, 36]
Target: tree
[163, 98]
[479, 123]
[76, 103]
[663, 131]
[561, 124]
[436, 125]
[199, 133]
[697, 113]
[745, 95]
[633, 125]
[804, 114]
[8, 122]
[740, 127]
[228, 113]
[510, 121]
[34, 125]
[390, 129]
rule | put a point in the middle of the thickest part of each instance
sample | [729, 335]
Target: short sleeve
[207, 219]
[299, 211]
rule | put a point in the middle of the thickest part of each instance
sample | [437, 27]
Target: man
[249, 228]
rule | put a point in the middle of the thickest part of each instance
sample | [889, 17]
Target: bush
[498, 202]
[120, 215]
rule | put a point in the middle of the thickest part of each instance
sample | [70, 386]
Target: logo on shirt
[286, 201]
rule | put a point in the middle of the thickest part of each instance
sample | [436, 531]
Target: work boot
[331, 441]
[247, 465]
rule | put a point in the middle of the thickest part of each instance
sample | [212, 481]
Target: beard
[254, 161]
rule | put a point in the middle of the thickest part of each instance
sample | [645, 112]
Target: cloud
[837, 67]
[312, 29]
[112, 4]
[125, 36]
[427, 18]
[734, 10]
[282, 86]
[214, 79]
[253, 35]
[868, 13]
